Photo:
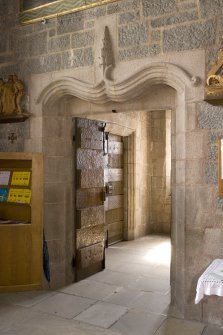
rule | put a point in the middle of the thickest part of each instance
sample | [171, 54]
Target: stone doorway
[135, 128]
[158, 86]
[153, 155]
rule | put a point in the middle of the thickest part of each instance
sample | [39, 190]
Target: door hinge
[73, 262]
[104, 194]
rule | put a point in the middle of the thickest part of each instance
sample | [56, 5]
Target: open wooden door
[114, 205]
[89, 198]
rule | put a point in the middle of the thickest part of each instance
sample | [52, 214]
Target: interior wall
[143, 32]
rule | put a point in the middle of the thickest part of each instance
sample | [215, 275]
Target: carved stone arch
[131, 87]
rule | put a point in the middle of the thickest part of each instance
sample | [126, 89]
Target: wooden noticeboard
[21, 203]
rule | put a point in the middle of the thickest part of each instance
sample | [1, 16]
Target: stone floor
[130, 297]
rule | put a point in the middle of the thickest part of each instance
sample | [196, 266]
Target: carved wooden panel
[115, 148]
[117, 187]
[89, 138]
[89, 199]
[90, 178]
[113, 175]
[114, 201]
[89, 159]
[90, 255]
[115, 161]
[90, 216]
[114, 215]
[114, 204]
[116, 231]
[90, 235]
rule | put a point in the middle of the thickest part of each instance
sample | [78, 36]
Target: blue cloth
[46, 259]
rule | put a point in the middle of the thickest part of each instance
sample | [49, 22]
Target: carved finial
[106, 51]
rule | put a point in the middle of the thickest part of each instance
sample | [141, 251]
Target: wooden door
[89, 200]
[114, 209]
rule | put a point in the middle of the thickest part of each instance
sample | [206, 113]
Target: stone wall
[145, 28]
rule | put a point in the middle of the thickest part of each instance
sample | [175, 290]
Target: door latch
[109, 188]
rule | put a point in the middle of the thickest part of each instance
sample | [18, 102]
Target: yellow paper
[22, 196]
[20, 178]
[26, 196]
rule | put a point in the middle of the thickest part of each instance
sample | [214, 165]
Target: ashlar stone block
[207, 9]
[70, 23]
[174, 19]
[31, 45]
[213, 238]
[46, 63]
[195, 172]
[139, 52]
[133, 35]
[77, 58]
[57, 169]
[210, 117]
[83, 39]
[93, 13]
[158, 7]
[128, 17]
[59, 43]
[123, 6]
[54, 221]
[196, 144]
[194, 36]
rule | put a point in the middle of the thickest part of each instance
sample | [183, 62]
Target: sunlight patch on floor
[159, 254]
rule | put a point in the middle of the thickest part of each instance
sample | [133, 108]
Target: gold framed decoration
[214, 83]
[38, 10]
[12, 92]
